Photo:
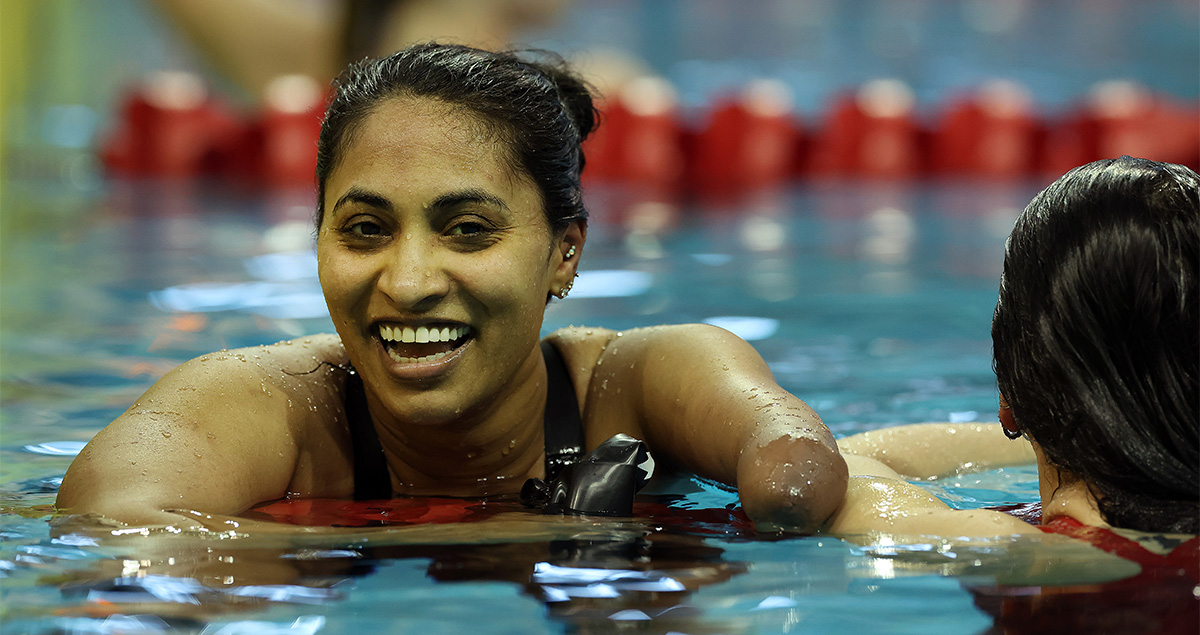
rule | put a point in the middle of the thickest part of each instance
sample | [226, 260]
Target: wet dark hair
[538, 110]
[1096, 338]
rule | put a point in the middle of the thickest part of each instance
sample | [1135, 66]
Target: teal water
[870, 302]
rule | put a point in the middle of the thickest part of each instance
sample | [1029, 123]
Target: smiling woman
[449, 213]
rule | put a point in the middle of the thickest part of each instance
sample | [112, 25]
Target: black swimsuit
[564, 430]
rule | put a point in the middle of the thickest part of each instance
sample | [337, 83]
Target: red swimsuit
[1162, 598]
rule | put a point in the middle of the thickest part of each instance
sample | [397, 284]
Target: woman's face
[436, 259]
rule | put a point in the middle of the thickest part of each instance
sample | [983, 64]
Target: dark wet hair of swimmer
[531, 104]
[1096, 338]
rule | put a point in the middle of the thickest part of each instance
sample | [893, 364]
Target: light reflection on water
[872, 303]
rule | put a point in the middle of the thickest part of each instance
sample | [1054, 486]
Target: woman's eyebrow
[469, 195]
[358, 195]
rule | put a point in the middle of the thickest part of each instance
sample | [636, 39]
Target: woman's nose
[415, 277]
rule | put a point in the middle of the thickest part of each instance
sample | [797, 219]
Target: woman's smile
[423, 352]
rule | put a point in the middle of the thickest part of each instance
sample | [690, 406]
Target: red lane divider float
[744, 142]
[171, 127]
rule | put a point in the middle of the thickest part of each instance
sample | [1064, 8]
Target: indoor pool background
[871, 302]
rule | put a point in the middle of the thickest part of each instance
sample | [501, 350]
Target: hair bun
[575, 93]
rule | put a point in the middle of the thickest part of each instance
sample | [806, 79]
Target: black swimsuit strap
[563, 425]
[563, 429]
[372, 480]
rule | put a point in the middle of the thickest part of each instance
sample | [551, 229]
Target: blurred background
[1062, 70]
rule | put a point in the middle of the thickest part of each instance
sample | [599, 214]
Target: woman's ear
[565, 258]
[1007, 421]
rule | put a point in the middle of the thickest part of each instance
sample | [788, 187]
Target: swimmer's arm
[926, 450]
[207, 437]
[878, 505]
[708, 402]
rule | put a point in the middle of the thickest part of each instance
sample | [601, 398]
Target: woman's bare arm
[707, 402]
[212, 435]
[879, 505]
[927, 450]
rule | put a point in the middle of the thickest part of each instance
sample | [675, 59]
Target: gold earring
[570, 253]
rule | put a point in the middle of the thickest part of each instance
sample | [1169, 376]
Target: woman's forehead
[423, 123]
[426, 145]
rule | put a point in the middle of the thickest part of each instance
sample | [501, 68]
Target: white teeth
[415, 360]
[422, 334]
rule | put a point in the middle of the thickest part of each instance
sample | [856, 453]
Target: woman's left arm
[707, 402]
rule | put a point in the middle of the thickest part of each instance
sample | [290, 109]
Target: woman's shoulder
[279, 364]
[269, 378]
[292, 390]
[592, 342]
[609, 368]
[585, 347]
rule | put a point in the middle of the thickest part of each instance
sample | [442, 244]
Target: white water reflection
[748, 328]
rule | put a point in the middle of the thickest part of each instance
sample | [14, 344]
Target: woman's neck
[490, 450]
[1065, 494]
[1074, 500]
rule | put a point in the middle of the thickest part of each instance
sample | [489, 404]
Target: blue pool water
[872, 302]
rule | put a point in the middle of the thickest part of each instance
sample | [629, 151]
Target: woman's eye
[366, 228]
[467, 229]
